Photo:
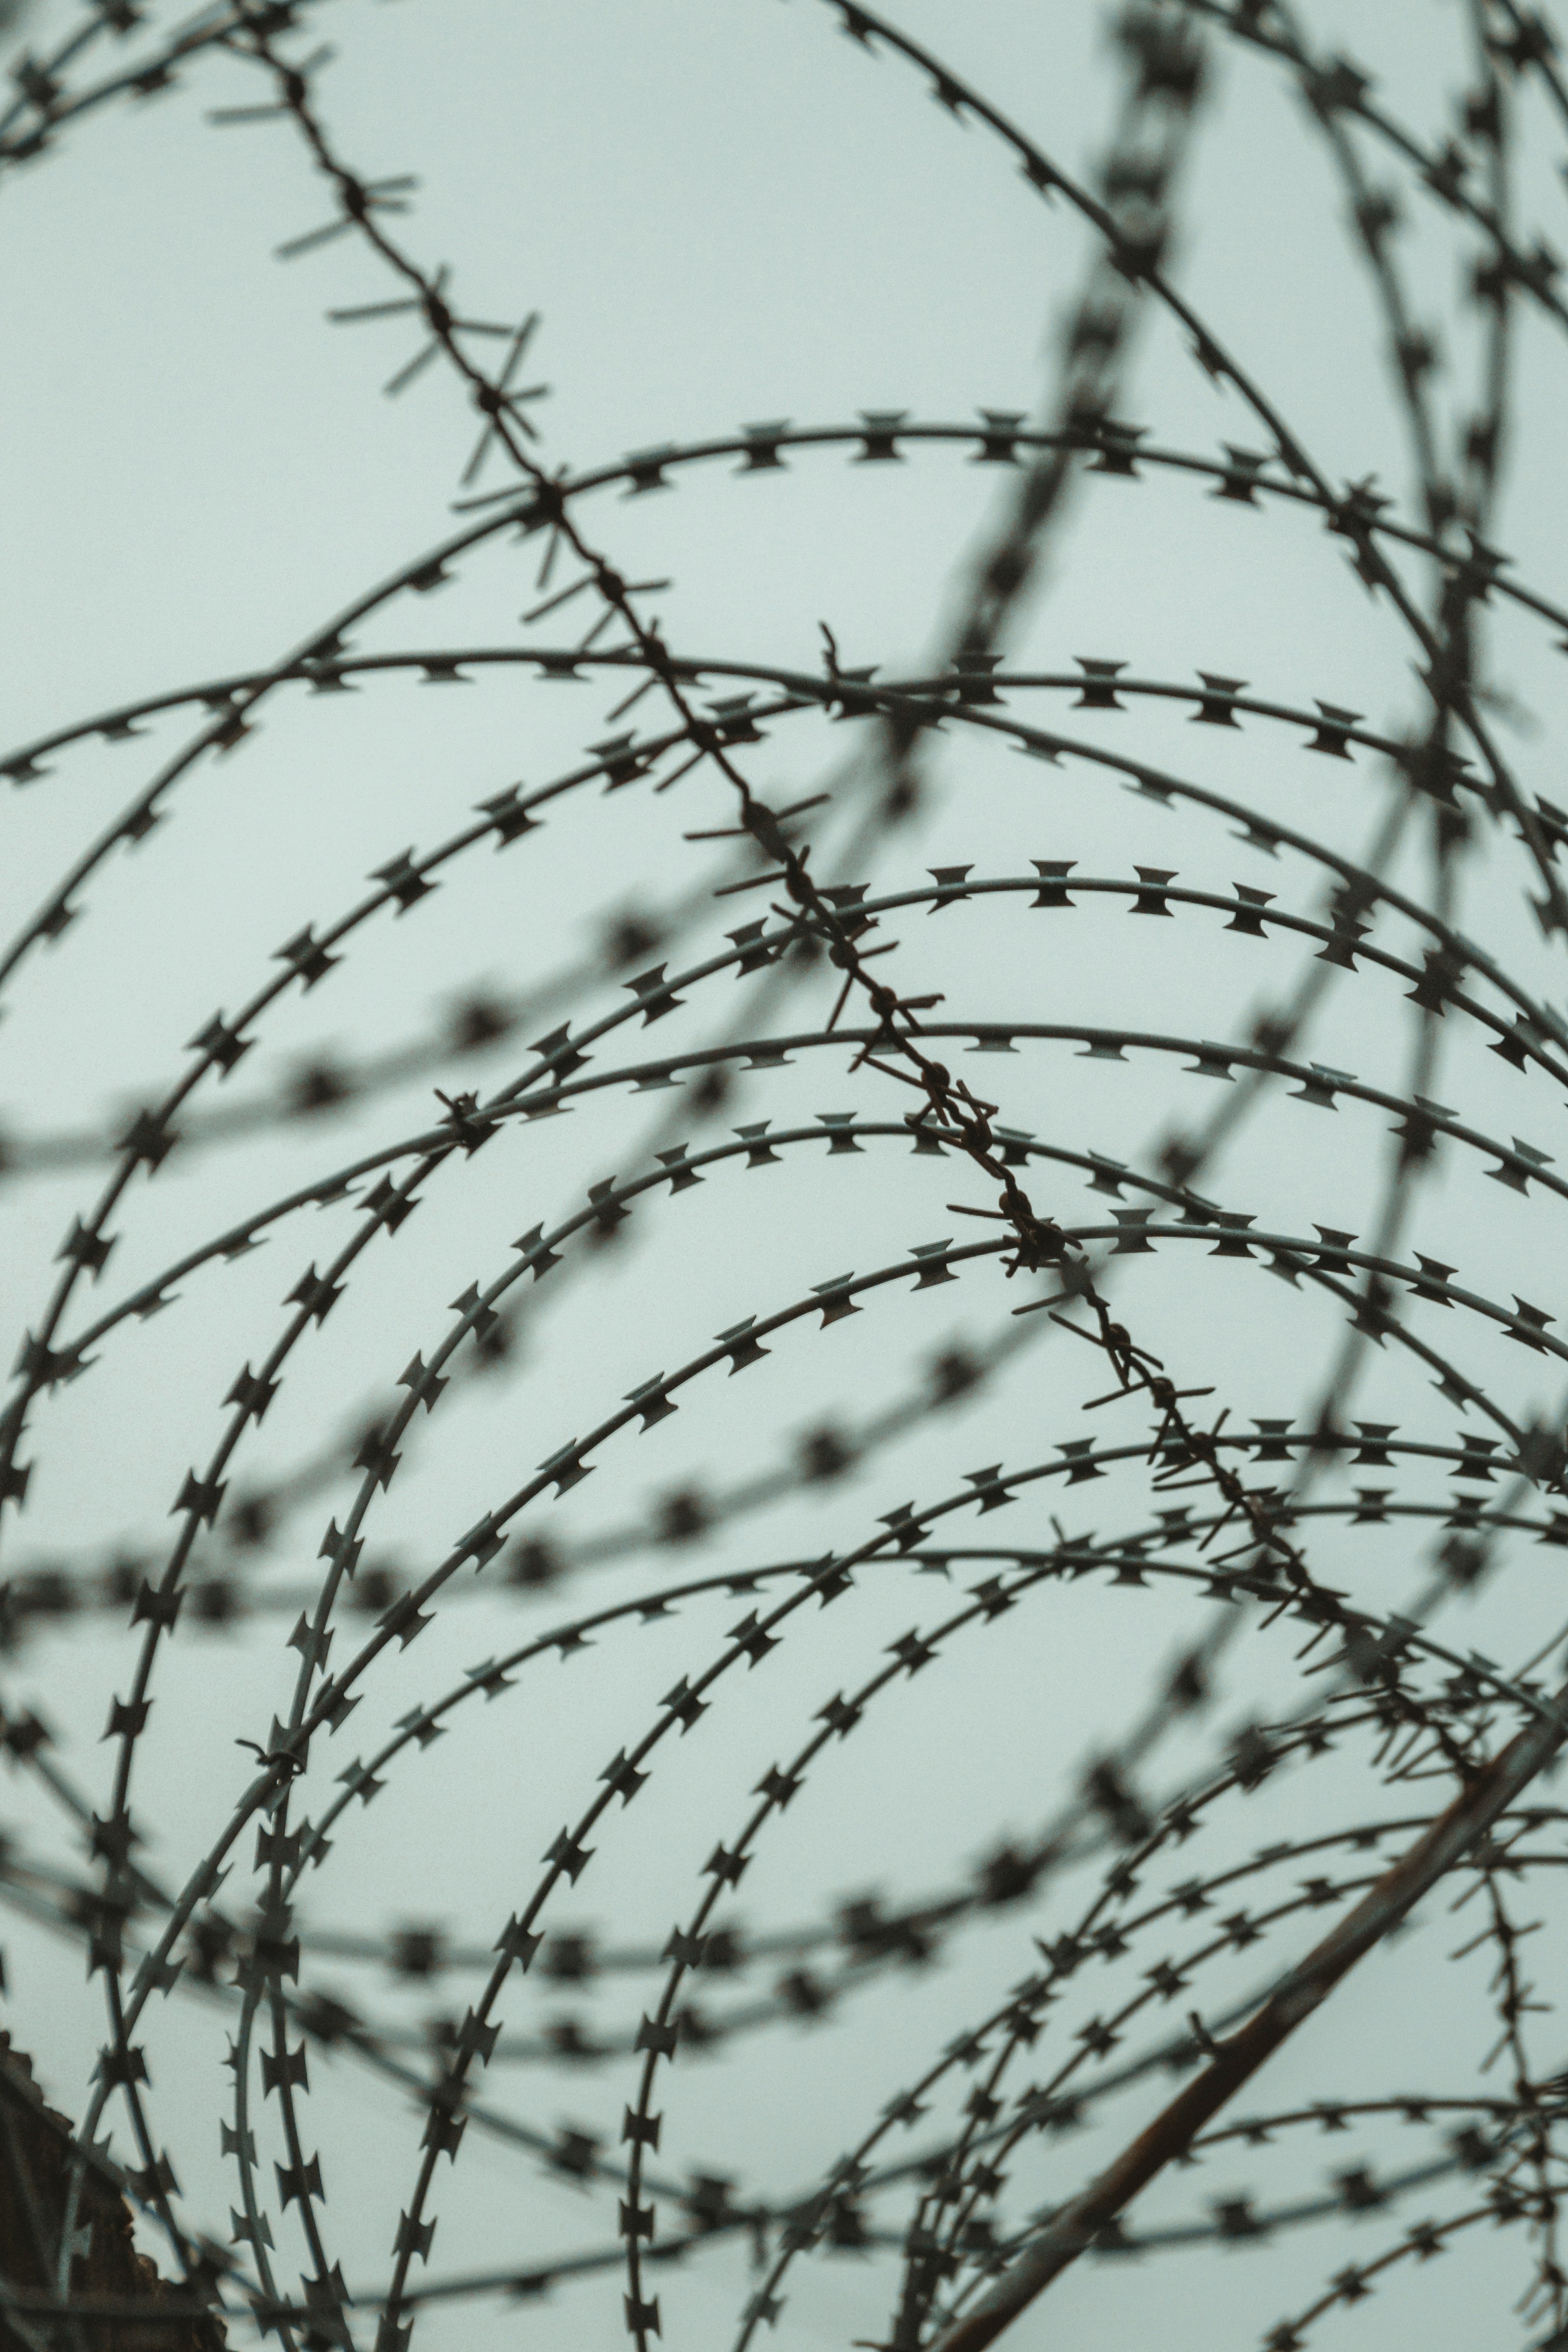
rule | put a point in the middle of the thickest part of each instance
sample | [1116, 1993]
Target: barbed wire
[1424, 865]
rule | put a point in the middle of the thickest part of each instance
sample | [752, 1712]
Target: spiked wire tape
[1235, 1739]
